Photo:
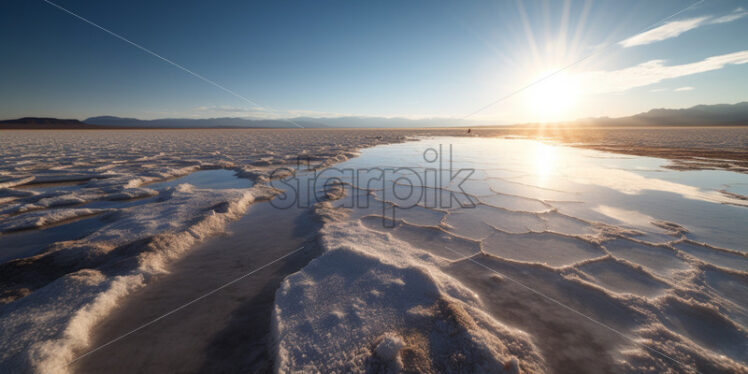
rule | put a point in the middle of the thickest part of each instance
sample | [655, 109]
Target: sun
[553, 97]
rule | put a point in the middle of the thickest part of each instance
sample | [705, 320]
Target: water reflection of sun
[545, 160]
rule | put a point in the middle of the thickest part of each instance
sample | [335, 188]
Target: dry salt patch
[706, 326]
[658, 259]
[720, 257]
[731, 289]
[352, 310]
[515, 203]
[543, 247]
[623, 278]
[479, 222]
[434, 240]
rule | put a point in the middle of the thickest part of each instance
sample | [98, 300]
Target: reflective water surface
[621, 240]
[522, 181]
[609, 262]
[215, 179]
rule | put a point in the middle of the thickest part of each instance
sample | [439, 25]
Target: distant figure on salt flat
[468, 131]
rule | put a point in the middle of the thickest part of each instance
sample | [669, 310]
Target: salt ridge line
[383, 287]
[98, 293]
[391, 243]
[472, 259]
[160, 165]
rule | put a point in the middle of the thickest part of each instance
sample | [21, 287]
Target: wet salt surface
[214, 179]
[51, 302]
[649, 252]
[653, 253]
[532, 178]
[29, 242]
[53, 186]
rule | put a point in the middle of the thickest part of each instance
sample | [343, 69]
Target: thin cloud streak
[666, 31]
[736, 15]
[252, 113]
[675, 28]
[650, 72]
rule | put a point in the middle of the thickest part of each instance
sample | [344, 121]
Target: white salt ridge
[42, 218]
[375, 303]
[15, 181]
[83, 297]
[41, 332]
[371, 294]
[47, 318]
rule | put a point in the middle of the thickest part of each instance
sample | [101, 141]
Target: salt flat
[645, 263]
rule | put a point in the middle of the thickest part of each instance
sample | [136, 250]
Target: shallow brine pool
[590, 261]
[519, 185]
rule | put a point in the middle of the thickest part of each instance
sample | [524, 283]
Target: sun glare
[553, 98]
[545, 160]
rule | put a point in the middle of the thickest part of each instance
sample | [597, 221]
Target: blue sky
[410, 59]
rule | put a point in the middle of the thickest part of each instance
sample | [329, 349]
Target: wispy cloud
[686, 88]
[226, 109]
[673, 29]
[666, 31]
[734, 16]
[231, 111]
[650, 72]
[234, 111]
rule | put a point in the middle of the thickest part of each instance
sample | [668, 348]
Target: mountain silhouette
[699, 115]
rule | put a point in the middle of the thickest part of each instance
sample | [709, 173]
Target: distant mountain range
[700, 115]
[46, 123]
[225, 122]
[306, 122]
